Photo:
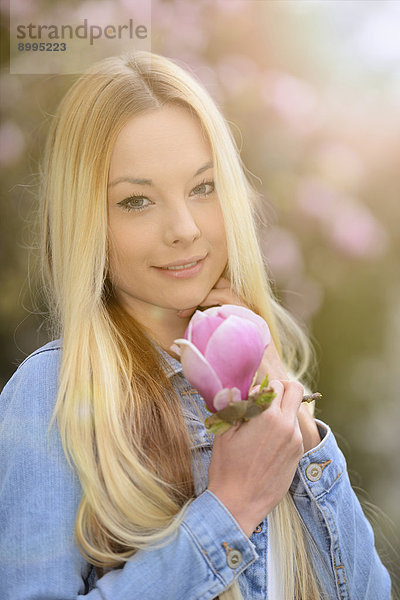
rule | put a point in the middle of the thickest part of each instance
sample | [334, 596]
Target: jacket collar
[174, 366]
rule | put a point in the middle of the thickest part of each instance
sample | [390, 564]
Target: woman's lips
[182, 271]
[183, 261]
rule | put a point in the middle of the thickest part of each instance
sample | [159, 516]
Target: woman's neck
[162, 324]
[166, 333]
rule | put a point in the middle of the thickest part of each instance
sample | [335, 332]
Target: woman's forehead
[166, 139]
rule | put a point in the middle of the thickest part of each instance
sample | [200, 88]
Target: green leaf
[216, 425]
[240, 412]
[265, 382]
[233, 412]
[266, 398]
[253, 410]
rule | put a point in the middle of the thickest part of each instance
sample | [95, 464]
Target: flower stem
[312, 397]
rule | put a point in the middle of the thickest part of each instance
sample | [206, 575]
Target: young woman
[111, 488]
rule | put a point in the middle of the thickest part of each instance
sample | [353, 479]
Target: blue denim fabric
[39, 496]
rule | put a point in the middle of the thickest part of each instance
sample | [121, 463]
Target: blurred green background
[311, 90]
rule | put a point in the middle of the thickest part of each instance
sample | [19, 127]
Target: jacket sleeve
[342, 540]
[39, 496]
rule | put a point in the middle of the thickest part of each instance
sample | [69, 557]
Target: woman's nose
[180, 225]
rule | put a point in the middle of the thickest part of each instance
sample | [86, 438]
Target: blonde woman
[111, 487]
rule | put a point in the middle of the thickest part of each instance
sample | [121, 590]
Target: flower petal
[203, 329]
[199, 372]
[235, 351]
[245, 313]
[225, 397]
[195, 318]
[225, 311]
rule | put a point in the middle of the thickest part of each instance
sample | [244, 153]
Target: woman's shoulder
[45, 355]
[50, 350]
[36, 379]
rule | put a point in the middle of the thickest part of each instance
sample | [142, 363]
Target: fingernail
[276, 386]
[175, 348]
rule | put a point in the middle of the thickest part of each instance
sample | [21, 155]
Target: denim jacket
[40, 494]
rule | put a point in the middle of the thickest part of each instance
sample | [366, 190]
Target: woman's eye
[201, 188]
[134, 202]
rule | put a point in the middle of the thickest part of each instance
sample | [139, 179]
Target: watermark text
[82, 32]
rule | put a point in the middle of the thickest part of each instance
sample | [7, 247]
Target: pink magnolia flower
[221, 352]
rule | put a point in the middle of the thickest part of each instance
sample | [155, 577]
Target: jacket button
[233, 558]
[258, 529]
[314, 472]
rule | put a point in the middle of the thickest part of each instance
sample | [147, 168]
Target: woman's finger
[272, 364]
[292, 397]
[187, 312]
[220, 294]
[279, 389]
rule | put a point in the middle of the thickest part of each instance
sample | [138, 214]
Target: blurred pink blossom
[305, 300]
[98, 12]
[348, 224]
[302, 296]
[356, 231]
[232, 6]
[235, 71]
[295, 100]
[138, 11]
[162, 15]
[16, 8]
[184, 26]
[316, 198]
[283, 254]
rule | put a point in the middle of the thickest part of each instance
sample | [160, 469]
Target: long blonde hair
[119, 417]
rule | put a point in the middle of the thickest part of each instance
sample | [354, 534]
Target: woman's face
[163, 212]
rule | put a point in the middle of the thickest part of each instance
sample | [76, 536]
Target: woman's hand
[253, 465]
[220, 294]
[271, 363]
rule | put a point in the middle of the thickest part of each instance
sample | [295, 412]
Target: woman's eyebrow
[205, 167]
